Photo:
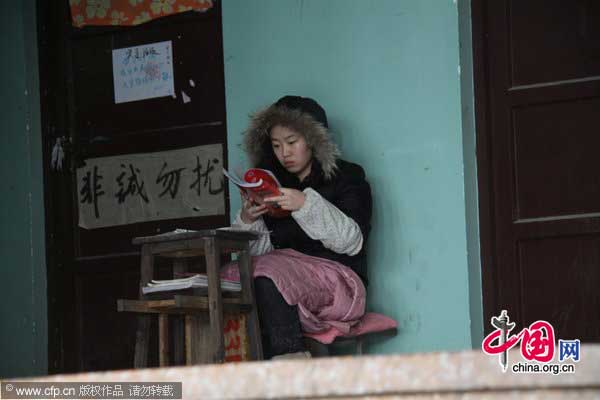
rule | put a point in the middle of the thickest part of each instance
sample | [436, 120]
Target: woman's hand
[290, 199]
[250, 210]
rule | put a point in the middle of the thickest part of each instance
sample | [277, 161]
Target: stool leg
[245, 268]
[177, 334]
[177, 322]
[359, 346]
[189, 340]
[142, 339]
[198, 340]
[215, 305]
[142, 335]
[163, 339]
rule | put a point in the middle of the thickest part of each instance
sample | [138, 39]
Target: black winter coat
[340, 182]
[348, 190]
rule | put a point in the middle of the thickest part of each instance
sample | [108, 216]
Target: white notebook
[195, 281]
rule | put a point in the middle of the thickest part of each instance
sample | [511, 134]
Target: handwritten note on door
[143, 72]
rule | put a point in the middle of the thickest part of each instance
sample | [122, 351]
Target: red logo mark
[537, 341]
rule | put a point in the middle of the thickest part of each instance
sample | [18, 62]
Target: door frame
[485, 172]
[57, 256]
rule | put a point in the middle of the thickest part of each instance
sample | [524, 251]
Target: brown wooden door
[89, 269]
[538, 104]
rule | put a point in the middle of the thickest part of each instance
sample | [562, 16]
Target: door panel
[556, 158]
[96, 289]
[538, 92]
[565, 299]
[552, 40]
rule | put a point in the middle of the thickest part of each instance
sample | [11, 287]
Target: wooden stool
[203, 331]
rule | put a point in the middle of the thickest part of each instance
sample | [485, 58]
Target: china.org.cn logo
[537, 346]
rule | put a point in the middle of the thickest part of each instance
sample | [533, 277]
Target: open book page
[259, 184]
[240, 182]
[173, 232]
[236, 229]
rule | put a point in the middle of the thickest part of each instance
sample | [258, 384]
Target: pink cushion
[369, 323]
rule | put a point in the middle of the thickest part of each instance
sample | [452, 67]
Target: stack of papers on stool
[195, 281]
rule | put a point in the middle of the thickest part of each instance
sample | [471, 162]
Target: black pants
[279, 322]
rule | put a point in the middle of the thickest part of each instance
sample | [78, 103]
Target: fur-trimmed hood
[257, 143]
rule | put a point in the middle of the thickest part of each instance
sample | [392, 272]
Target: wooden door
[90, 268]
[538, 101]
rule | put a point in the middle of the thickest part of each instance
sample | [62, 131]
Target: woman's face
[291, 150]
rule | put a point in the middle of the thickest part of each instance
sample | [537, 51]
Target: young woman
[329, 200]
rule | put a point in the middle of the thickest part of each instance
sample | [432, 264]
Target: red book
[258, 184]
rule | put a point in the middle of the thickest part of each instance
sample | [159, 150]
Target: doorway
[92, 264]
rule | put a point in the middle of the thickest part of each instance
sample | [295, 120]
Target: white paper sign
[134, 188]
[143, 72]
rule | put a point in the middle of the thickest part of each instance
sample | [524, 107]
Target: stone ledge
[445, 375]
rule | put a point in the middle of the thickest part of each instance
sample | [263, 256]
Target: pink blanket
[328, 294]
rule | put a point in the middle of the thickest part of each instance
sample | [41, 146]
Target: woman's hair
[300, 114]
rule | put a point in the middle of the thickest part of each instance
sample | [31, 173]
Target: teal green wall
[23, 322]
[387, 72]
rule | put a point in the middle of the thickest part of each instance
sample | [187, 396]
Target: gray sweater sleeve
[261, 245]
[323, 221]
